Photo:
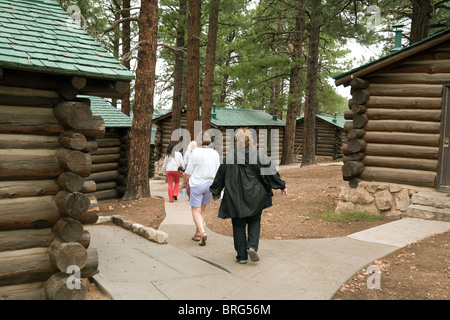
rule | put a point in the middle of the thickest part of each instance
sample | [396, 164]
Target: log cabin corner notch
[44, 157]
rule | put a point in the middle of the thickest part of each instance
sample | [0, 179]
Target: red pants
[173, 176]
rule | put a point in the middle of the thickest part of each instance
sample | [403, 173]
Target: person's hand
[215, 198]
[284, 192]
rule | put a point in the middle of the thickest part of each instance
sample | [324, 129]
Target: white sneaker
[253, 254]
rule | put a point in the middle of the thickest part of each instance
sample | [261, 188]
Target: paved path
[132, 267]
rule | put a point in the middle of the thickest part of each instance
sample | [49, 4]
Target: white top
[172, 163]
[186, 158]
[202, 166]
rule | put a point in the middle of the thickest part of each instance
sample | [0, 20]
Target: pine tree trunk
[126, 47]
[193, 60]
[208, 79]
[421, 14]
[179, 68]
[137, 182]
[309, 132]
[294, 88]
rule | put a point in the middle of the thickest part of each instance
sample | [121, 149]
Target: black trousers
[241, 241]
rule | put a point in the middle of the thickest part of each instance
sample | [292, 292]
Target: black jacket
[248, 183]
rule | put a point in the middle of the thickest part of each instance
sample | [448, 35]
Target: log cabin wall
[394, 134]
[110, 164]
[44, 159]
[330, 139]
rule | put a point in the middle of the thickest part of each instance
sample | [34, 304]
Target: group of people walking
[246, 188]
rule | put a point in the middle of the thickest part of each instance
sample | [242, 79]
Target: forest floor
[418, 271]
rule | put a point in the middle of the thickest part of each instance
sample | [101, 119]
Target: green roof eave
[393, 57]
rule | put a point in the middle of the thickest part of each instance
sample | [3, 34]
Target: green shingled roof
[113, 117]
[337, 121]
[36, 35]
[226, 117]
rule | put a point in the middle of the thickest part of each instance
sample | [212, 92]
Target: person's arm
[219, 182]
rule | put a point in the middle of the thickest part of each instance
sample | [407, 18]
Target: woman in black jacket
[248, 177]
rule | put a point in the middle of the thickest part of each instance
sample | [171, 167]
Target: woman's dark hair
[170, 148]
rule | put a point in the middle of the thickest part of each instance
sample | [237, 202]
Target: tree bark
[421, 14]
[126, 47]
[309, 133]
[208, 80]
[294, 88]
[193, 60]
[179, 68]
[138, 184]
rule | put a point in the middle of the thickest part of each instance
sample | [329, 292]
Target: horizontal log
[56, 288]
[106, 185]
[76, 161]
[406, 151]
[353, 157]
[24, 266]
[356, 145]
[422, 66]
[359, 96]
[107, 194]
[399, 176]
[102, 88]
[108, 166]
[73, 140]
[28, 213]
[358, 83]
[402, 126]
[358, 108]
[404, 102]
[403, 163]
[28, 120]
[360, 120]
[91, 146]
[403, 114]
[105, 158]
[104, 176]
[402, 138]
[112, 150]
[356, 134]
[405, 90]
[62, 255]
[108, 142]
[78, 117]
[28, 141]
[410, 78]
[27, 188]
[26, 291]
[91, 215]
[68, 229]
[25, 238]
[91, 268]
[73, 204]
[88, 186]
[70, 181]
[29, 164]
[352, 169]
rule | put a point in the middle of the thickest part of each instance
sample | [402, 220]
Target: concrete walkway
[132, 267]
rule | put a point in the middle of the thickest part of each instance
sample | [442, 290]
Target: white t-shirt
[172, 163]
[202, 166]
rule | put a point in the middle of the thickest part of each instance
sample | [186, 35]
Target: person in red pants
[173, 163]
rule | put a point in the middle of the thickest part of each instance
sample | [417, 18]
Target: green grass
[351, 216]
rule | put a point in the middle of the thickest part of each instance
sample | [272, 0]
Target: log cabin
[399, 125]
[330, 136]
[109, 153]
[46, 61]
[268, 127]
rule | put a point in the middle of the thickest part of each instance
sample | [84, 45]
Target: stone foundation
[376, 198]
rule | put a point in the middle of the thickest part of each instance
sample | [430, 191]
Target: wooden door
[443, 177]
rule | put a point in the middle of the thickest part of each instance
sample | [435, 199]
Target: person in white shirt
[200, 174]
[172, 162]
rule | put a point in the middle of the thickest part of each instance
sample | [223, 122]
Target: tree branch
[117, 22]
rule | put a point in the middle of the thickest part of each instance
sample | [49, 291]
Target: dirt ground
[419, 271]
